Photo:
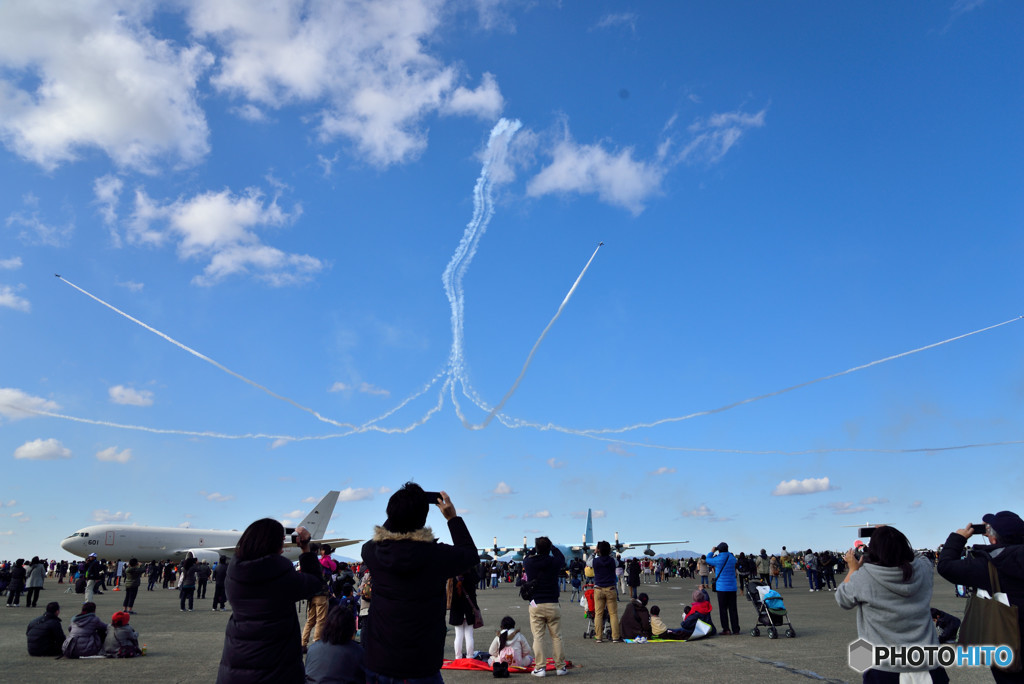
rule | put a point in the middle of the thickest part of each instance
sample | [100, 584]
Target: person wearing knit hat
[122, 641]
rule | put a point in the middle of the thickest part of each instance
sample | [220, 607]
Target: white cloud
[9, 299]
[119, 394]
[582, 515]
[809, 485]
[916, 504]
[220, 228]
[363, 387]
[112, 454]
[663, 470]
[42, 450]
[502, 489]
[105, 516]
[10, 503]
[384, 490]
[555, 463]
[868, 501]
[619, 450]
[366, 63]
[538, 514]
[216, 496]
[11, 264]
[355, 494]
[11, 400]
[310, 499]
[615, 177]
[91, 75]
[108, 194]
[35, 231]
[185, 525]
[701, 511]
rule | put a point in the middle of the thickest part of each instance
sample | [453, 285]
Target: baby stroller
[587, 603]
[771, 611]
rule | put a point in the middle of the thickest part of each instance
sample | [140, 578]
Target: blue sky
[783, 193]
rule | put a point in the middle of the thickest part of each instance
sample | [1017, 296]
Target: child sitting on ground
[510, 646]
[122, 641]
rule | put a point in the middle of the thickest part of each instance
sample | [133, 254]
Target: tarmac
[186, 647]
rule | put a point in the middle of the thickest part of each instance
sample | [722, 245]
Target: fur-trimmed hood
[423, 534]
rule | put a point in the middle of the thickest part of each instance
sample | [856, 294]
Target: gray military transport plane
[584, 550]
[162, 543]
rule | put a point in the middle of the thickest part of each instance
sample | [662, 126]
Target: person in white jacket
[510, 646]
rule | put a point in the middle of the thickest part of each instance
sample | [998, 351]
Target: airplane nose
[65, 544]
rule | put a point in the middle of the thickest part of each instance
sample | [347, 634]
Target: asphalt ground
[186, 647]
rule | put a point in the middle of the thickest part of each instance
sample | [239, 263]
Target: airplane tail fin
[589, 538]
[317, 520]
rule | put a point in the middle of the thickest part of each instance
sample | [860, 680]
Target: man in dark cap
[1005, 550]
[404, 633]
[45, 633]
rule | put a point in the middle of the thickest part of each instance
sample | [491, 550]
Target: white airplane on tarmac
[163, 543]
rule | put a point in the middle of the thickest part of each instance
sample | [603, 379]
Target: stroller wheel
[790, 633]
[755, 632]
[773, 633]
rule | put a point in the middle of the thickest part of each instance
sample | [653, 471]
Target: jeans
[494, 581]
[787, 578]
[547, 617]
[813, 579]
[604, 597]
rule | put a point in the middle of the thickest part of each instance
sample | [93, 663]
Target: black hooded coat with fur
[404, 633]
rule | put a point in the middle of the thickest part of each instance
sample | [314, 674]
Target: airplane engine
[209, 555]
[648, 552]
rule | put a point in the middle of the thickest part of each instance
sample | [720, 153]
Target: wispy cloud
[42, 450]
[663, 470]
[538, 514]
[617, 19]
[216, 496]
[555, 463]
[808, 485]
[11, 264]
[363, 387]
[356, 494]
[12, 400]
[846, 508]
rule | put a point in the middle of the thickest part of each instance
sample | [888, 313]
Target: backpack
[527, 590]
[80, 585]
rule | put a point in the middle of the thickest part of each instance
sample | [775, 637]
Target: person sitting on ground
[510, 646]
[45, 633]
[122, 640]
[700, 609]
[658, 626]
[635, 621]
[948, 625]
[335, 658]
[85, 638]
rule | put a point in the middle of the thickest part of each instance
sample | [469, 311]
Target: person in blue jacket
[724, 564]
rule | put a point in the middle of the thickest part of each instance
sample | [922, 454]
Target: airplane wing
[213, 553]
[646, 545]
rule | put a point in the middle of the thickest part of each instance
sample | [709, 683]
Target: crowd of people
[409, 582]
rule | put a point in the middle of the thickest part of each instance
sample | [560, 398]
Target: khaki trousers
[605, 597]
[316, 616]
[546, 617]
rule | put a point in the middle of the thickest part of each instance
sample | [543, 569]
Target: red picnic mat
[474, 664]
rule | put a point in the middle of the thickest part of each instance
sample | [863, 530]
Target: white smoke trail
[606, 431]
[454, 273]
[210, 361]
[529, 358]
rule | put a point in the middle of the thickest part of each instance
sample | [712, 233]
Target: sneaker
[190, 610]
[561, 671]
[598, 641]
[616, 641]
[539, 673]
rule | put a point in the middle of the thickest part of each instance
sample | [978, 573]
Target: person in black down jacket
[404, 633]
[261, 642]
[544, 566]
[45, 633]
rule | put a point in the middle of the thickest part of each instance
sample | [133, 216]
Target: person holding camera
[1005, 550]
[724, 565]
[262, 641]
[316, 607]
[404, 632]
[544, 566]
